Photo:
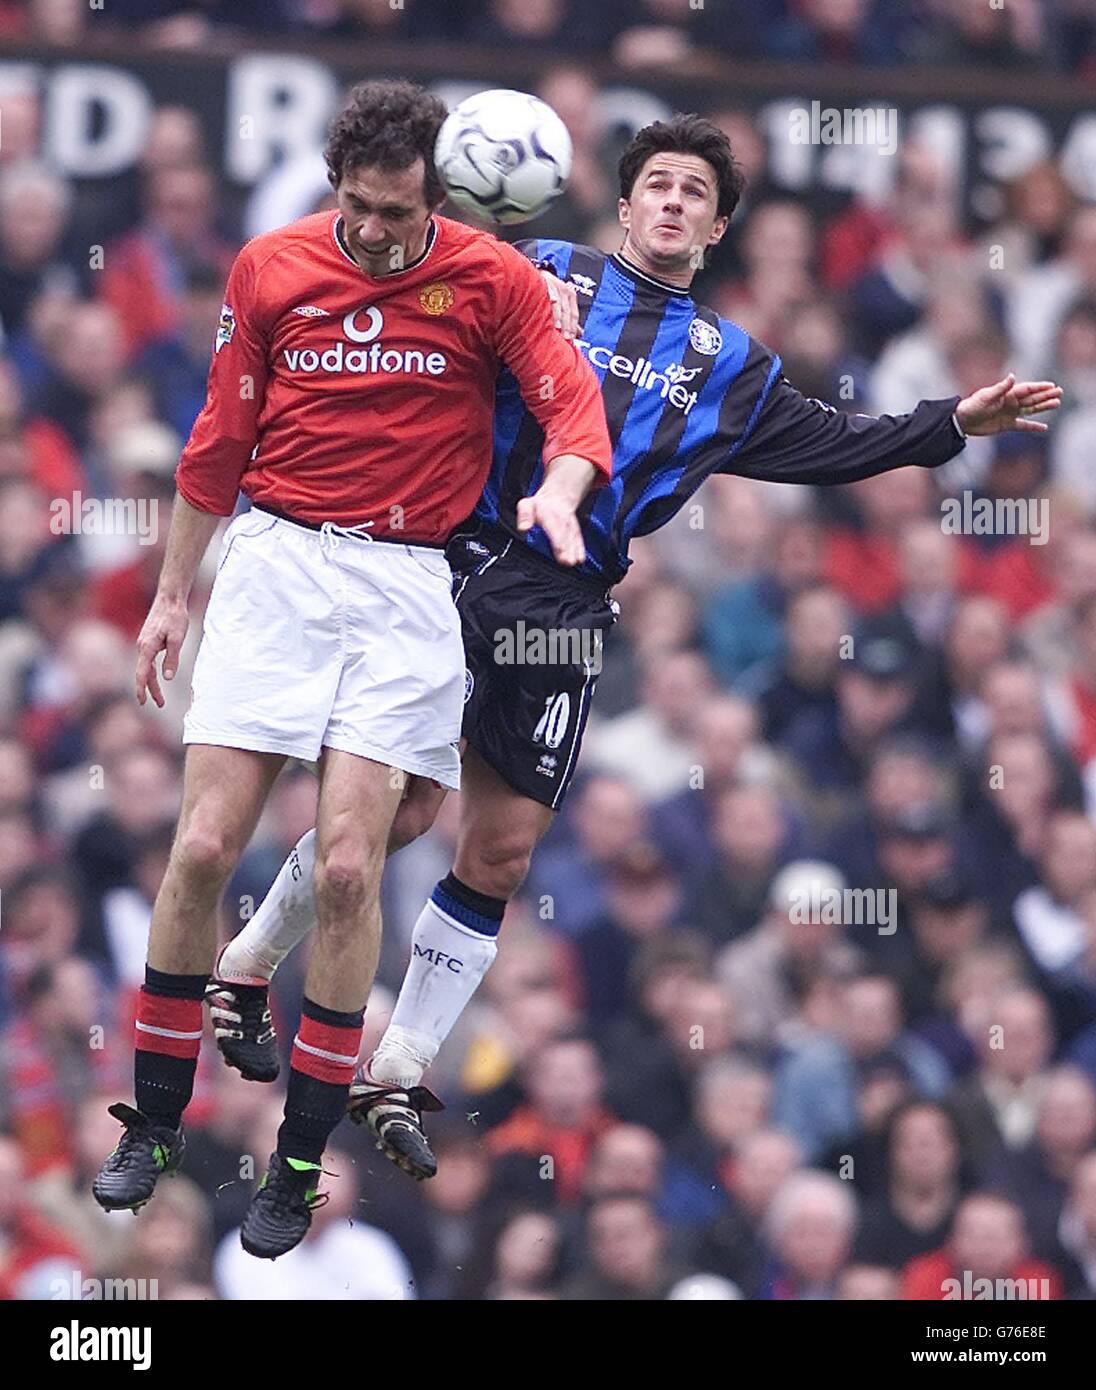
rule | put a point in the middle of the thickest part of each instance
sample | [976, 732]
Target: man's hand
[1007, 406]
[564, 299]
[164, 631]
[552, 507]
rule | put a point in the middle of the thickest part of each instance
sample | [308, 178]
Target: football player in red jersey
[350, 398]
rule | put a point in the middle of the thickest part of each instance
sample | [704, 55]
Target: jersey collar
[337, 235]
[631, 269]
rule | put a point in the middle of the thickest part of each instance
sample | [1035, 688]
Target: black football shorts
[533, 641]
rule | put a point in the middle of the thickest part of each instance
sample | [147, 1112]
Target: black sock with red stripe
[325, 1053]
[167, 1037]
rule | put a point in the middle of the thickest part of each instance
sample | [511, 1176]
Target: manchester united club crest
[436, 298]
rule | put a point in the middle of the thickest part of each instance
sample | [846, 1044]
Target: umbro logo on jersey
[583, 284]
[309, 311]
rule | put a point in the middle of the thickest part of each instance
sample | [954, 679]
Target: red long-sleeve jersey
[335, 395]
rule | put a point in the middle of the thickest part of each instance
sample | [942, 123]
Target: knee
[497, 866]
[343, 880]
[205, 853]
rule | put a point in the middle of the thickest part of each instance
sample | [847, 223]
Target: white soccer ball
[503, 155]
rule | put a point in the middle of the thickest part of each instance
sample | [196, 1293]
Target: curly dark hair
[685, 134]
[388, 124]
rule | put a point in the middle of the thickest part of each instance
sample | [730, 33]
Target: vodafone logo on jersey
[361, 326]
[363, 335]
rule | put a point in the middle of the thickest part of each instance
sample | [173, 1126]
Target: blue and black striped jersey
[687, 393]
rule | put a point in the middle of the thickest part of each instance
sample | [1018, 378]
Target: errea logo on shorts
[364, 325]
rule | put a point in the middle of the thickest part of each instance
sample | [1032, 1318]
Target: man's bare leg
[223, 794]
[288, 912]
[358, 800]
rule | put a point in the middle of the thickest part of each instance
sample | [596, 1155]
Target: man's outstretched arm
[800, 440]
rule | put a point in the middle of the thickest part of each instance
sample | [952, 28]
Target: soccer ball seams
[504, 155]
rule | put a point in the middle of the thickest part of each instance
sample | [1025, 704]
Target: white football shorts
[325, 639]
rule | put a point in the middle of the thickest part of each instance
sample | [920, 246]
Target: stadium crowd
[635, 33]
[667, 1087]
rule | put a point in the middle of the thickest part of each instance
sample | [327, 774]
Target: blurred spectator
[145, 273]
[553, 1133]
[913, 1214]
[750, 835]
[32, 1252]
[177, 364]
[1043, 296]
[607, 822]
[1048, 915]
[50, 1052]
[1039, 1176]
[653, 746]
[87, 363]
[997, 1105]
[34, 211]
[169, 1247]
[142, 792]
[1077, 1229]
[642, 900]
[810, 1227]
[727, 754]
[733, 1243]
[864, 31]
[627, 1253]
[987, 1242]
[527, 1259]
[981, 36]
[816, 1084]
[815, 620]
[771, 971]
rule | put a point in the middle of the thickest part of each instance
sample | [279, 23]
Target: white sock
[285, 917]
[448, 961]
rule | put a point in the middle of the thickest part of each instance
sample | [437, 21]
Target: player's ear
[718, 228]
[624, 212]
